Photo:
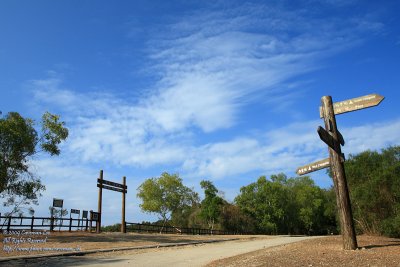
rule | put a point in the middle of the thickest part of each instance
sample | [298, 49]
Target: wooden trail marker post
[333, 138]
[122, 188]
[339, 177]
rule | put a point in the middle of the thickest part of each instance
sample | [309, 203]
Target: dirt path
[197, 255]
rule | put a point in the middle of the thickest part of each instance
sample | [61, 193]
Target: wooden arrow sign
[341, 139]
[315, 166]
[328, 139]
[353, 104]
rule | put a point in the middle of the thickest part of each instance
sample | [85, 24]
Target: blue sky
[219, 90]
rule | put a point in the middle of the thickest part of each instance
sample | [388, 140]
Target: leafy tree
[287, 206]
[374, 185]
[57, 212]
[312, 205]
[234, 220]
[19, 142]
[265, 202]
[181, 217]
[211, 204]
[166, 196]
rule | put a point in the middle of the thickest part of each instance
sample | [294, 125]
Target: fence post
[86, 225]
[51, 224]
[9, 223]
[70, 223]
[33, 218]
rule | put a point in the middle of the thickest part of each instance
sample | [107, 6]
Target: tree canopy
[211, 204]
[286, 206]
[19, 142]
[166, 196]
[374, 185]
[282, 205]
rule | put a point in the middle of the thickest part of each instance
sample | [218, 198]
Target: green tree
[211, 204]
[234, 220]
[265, 202]
[287, 206]
[166, 196]
[19, 142]
[311, 205]
[374, 185]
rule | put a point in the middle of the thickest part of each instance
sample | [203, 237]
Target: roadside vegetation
[282, 205]
[270, 205]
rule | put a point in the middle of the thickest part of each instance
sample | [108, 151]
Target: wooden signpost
[316, 166]
[322, 164]
[101, 183]
[354, 104]
[333, 138]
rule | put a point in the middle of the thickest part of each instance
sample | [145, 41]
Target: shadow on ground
[61, 261]
[129, 237]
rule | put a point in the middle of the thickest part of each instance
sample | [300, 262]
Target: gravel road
[195, 255]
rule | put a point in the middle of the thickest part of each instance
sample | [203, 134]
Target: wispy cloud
[209, 65]
[284, 149]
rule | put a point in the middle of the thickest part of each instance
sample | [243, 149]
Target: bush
[111, 228]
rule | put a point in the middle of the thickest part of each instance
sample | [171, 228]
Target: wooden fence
[63, 224]
[150, 228]
[43, 223]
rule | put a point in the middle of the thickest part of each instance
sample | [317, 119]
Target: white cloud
[210, 65]
[373, 136]
[284, 149]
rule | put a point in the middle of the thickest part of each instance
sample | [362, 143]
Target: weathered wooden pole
[123, 226]
[98, 223]
[339, 177]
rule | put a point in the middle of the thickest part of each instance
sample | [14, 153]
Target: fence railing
[43, 223]
[62, 224]
[150, 228]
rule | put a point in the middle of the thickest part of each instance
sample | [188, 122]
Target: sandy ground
[327, 251]
[57, 242]
[193, 255]
[247, 251]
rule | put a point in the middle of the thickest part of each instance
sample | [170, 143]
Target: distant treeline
[282, 205]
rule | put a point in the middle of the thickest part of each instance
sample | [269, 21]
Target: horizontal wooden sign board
[58, 203]
[75, 211]
[112, 184]
[354, 104]
[315, 166]
[95, 216]
[112, 188]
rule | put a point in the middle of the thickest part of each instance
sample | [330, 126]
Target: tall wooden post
[98, 223]
[339, 178]
[123, 226]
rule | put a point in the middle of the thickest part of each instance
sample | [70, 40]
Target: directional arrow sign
[315, 166]
[340, 136]
[355, 104]
[328, 138]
